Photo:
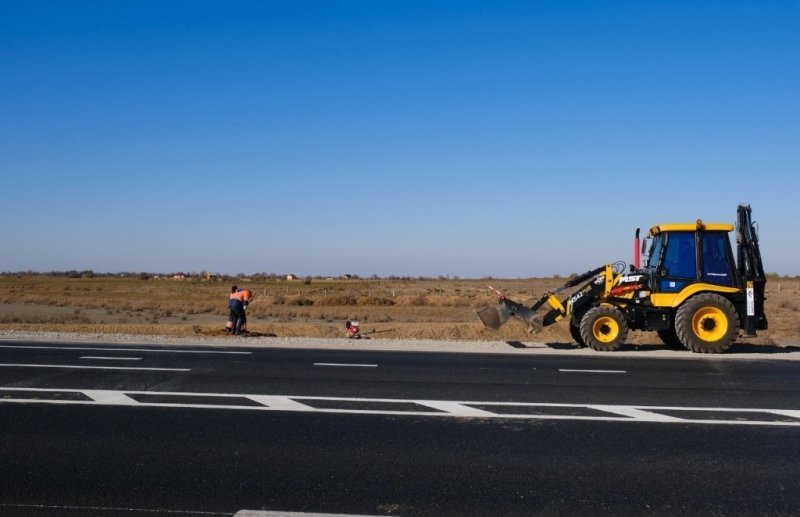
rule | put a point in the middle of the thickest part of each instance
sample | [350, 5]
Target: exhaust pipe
[494, 316]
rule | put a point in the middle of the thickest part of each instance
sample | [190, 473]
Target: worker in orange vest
[237, 303]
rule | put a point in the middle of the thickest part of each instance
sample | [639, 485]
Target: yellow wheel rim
[605, 329]
[710, 324]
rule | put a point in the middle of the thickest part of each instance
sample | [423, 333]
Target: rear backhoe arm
[751, 271]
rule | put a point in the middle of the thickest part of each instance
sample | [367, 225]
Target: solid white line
[77, 367]
[159, 351]
[111, 358]
[566, 370]
[345, 364]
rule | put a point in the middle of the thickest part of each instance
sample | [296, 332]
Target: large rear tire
[707, 323]
[604, 328]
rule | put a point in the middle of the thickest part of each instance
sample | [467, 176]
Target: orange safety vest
[243, 295]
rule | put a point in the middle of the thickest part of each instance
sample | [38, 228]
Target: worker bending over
[237, 303]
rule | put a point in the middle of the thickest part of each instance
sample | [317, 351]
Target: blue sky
[462, 138]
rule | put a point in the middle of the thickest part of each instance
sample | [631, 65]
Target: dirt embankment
[394, 309]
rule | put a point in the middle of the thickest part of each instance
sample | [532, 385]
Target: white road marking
[637, 413]
[453, 408]
[116, 510]
[279, 403]
[787, 412]
[440, 408]
[111, 398]
[79, 367]
[567, 370]
[101, 358]
[346, 364]
[265, 513]
[158, 351]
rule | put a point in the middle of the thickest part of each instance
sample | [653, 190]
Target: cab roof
[691, 227]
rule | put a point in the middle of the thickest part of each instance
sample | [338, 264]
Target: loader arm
[494, 317]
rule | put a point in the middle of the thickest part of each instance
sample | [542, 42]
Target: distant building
[291, 276]
[178, 276]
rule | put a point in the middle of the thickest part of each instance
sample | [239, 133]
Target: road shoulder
[740, 351]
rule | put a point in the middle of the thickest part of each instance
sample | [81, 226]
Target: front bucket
[493, 316]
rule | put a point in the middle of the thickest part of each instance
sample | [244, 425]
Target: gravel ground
[740, 351]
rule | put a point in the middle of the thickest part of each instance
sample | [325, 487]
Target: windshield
[655, 252]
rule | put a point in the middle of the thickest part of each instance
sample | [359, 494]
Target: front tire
[604, 328]
[707, 323]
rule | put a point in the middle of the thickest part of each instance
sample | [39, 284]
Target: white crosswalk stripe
[410, 407]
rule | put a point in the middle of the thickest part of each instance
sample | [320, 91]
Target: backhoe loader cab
[684, 254]
[691, 290]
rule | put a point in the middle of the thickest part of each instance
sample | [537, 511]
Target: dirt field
[390, 309]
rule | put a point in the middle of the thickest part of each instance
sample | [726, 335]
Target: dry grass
[412, 309]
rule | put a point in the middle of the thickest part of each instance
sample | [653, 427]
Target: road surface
[100, 429]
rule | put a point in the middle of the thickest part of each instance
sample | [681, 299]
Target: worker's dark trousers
[236, 316]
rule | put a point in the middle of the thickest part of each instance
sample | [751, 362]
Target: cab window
[680, 260]
[716, 265]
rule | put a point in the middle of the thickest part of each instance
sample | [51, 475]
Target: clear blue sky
[462, 138]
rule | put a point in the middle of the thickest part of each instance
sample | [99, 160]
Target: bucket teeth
[535, 323]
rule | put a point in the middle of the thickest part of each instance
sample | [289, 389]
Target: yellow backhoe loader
[691, 290]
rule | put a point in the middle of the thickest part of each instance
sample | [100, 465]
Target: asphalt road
[129, 430]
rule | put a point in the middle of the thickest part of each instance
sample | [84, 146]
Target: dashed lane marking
[109, 358]
[567, 370]
[263, 513]
[407, 407]
[81, 367]
[352, 365]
